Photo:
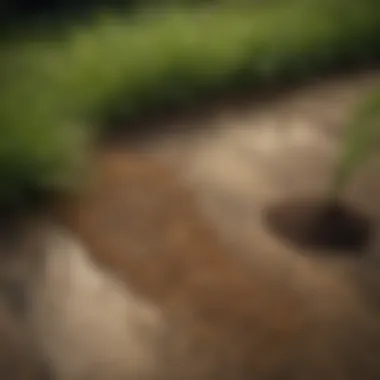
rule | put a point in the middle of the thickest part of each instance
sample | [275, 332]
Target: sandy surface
[242, 159]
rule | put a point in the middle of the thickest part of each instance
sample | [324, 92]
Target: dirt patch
[18, 359]
[237, 160]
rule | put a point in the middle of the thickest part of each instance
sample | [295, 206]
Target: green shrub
[119, 66]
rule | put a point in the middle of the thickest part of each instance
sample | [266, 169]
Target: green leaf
[361, 142]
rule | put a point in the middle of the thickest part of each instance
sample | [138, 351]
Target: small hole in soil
[320, 224]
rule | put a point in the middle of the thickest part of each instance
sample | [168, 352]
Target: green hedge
[54, 88]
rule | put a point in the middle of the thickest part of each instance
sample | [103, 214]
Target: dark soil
[320, 224]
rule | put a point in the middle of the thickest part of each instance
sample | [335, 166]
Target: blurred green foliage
[361, 142]
[54, 87]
